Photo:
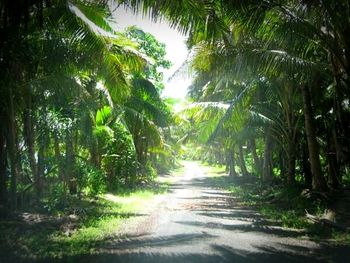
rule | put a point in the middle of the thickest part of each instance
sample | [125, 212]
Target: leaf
[103, 129]
[103, 115]
[93, 15]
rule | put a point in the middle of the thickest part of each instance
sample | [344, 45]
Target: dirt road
[196, 222]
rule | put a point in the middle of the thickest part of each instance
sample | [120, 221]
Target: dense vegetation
[271, 88]
[81, 111]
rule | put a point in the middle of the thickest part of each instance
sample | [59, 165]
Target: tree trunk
[318, 180]
[267, 162]
[282, 162]
[333, 167]
[43, 143]
[58, 157]
[29, 140]
[242, 161]
[70, 164]
[41, 169]
[3, 175]
[94, 153]
[291, 163]
[11, 143]
[227, 161]
[338, 148]
[231, 162]
[257, 161]
[306, 167]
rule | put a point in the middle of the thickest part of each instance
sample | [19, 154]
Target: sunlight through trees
[81, 112]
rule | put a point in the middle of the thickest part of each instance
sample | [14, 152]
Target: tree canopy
[82, 112]
[81, 107]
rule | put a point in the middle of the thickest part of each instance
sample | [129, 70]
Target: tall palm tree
[46, 49]
[289, 33]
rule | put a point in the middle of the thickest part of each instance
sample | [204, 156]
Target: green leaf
[103, 115]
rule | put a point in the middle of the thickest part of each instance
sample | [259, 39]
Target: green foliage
[57, 201]
[154, 50]
[254, 66]
[289, 218]
[150, 171]
[93, 180]
[346, 178]
[103, 115]
[284, 205]
[119, 161]
[208, 154]
[118, 151]
[81, 111]
[257, 59]
[97, 220]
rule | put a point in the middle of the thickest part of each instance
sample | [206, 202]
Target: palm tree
[297, 33]
[145, 115]
[293, 31]
[60, 48]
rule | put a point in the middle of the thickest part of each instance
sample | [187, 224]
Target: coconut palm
[283, 34]
[55, 55]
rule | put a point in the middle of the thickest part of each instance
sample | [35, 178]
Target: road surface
[197, 222]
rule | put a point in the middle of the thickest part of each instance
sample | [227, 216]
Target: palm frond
[93, 14]
[138, 121]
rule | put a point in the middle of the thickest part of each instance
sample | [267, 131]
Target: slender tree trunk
[306, 167]
[70, 164]
[3, 175]
[41, 169]
[29, 140]
[242, 161]
[94, 153]
[341, 125]
[267, 162]
[227, 161]
[257, 161]
[231, 162]
[291, 163]
[58, 157]
[338, 150]
[11, 143]
[333, 167]
[318, 180]
[138, 146]
[282, 162]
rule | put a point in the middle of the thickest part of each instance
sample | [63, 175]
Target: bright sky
[175, 48]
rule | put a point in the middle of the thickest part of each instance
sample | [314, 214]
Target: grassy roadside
[287, 206]
[281, 206]
[80, 229]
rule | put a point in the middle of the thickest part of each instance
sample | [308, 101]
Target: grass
[100, 226]
[97, 221]
[286, 206]
[281, 205]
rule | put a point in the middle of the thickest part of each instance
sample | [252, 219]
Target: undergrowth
[287, 206]
[281, 205]
[87, 225]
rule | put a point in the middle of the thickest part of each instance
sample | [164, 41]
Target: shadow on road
[215, 211]
[225, 254]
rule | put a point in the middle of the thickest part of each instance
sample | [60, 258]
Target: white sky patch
[92, 26]
[176, 50]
